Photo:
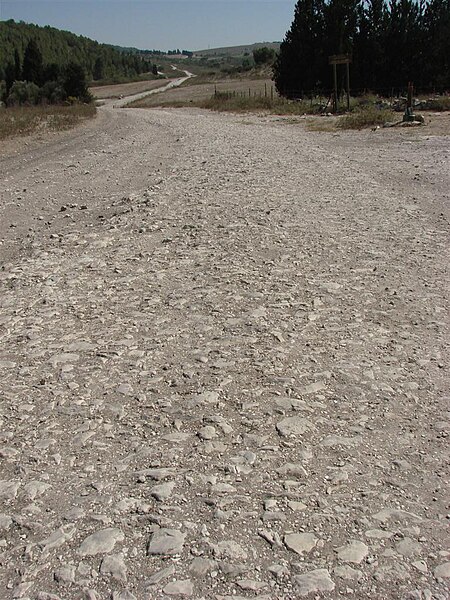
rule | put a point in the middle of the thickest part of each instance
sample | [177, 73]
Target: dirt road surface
[223, 361]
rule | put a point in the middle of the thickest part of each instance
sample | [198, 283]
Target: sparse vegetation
[366, 116]
[25, 120]
[232, 102]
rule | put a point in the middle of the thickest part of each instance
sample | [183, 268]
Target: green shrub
[23, 93]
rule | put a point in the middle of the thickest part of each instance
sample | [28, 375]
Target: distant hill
[100, 61]
[236, 50]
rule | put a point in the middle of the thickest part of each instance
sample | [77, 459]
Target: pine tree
[17, 65]
[300, 62]
[436, 26]
[74, 83]
[32, 64]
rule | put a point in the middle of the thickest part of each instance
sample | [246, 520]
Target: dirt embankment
[223, 347]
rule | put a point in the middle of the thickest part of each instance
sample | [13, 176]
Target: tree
[32, 63]
[17, 65]
[99, 68]
[10, 77]
[263, 55]
[74, 82]
[436, 26]
[300, 62]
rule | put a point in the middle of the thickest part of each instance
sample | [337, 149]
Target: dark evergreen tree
[436, 31]
[10, 77]
[300, 62]
[51, 72]
[99, 69]
[74, 82]
[32, 64]
[17, 65]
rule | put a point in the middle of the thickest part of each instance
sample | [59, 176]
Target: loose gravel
[223, 362]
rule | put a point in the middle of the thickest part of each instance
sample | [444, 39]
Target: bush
[23, 93]
[52, 92]
[365, 117]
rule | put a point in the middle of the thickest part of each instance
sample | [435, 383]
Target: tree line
[390, 43]
[59, 58]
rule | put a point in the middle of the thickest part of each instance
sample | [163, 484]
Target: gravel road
[223, 361]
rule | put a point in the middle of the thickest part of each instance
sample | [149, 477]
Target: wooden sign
[340, 59]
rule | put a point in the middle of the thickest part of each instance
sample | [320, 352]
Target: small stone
[297, 506]
[251, 585]
[442, 571]
[408, 547]
[114, 565]
[101, 542]
[292, 426]
[378, 534]
[293, 469]
[125, 389]
[395, 514]
[20, 590]
[353, 552]
[346, 572]
[229, 549]
[166, 541]
[222, 488]
[201, 566]
[160, 575]
[58, 537]
[8, 489]
[420, 565]
[163, 491]
[5, 521]
[125, 595]
[273, 516]
[65, 574]
[318, 580]
[33, 489]
[179, 588]
[207, 433]
[300, 542]
[176, 437]
[340, 440]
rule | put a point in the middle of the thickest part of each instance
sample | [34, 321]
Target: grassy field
[126, 89]
[194, 93]
[26, 120]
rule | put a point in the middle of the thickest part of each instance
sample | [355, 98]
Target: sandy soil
[223, 358]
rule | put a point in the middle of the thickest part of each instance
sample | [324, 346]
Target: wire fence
[324, 96]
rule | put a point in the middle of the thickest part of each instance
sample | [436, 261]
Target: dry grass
[126, 89]
[192, 93]
[232, 102]
[366, 116]
[26, 120]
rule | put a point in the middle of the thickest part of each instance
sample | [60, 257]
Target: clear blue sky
[184, 24]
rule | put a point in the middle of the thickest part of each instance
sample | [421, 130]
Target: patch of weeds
[366, 116]
[25, 120]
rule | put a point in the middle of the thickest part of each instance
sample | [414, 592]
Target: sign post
[340, 59]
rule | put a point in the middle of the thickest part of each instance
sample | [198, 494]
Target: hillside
[60, 47]
[236, 50]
